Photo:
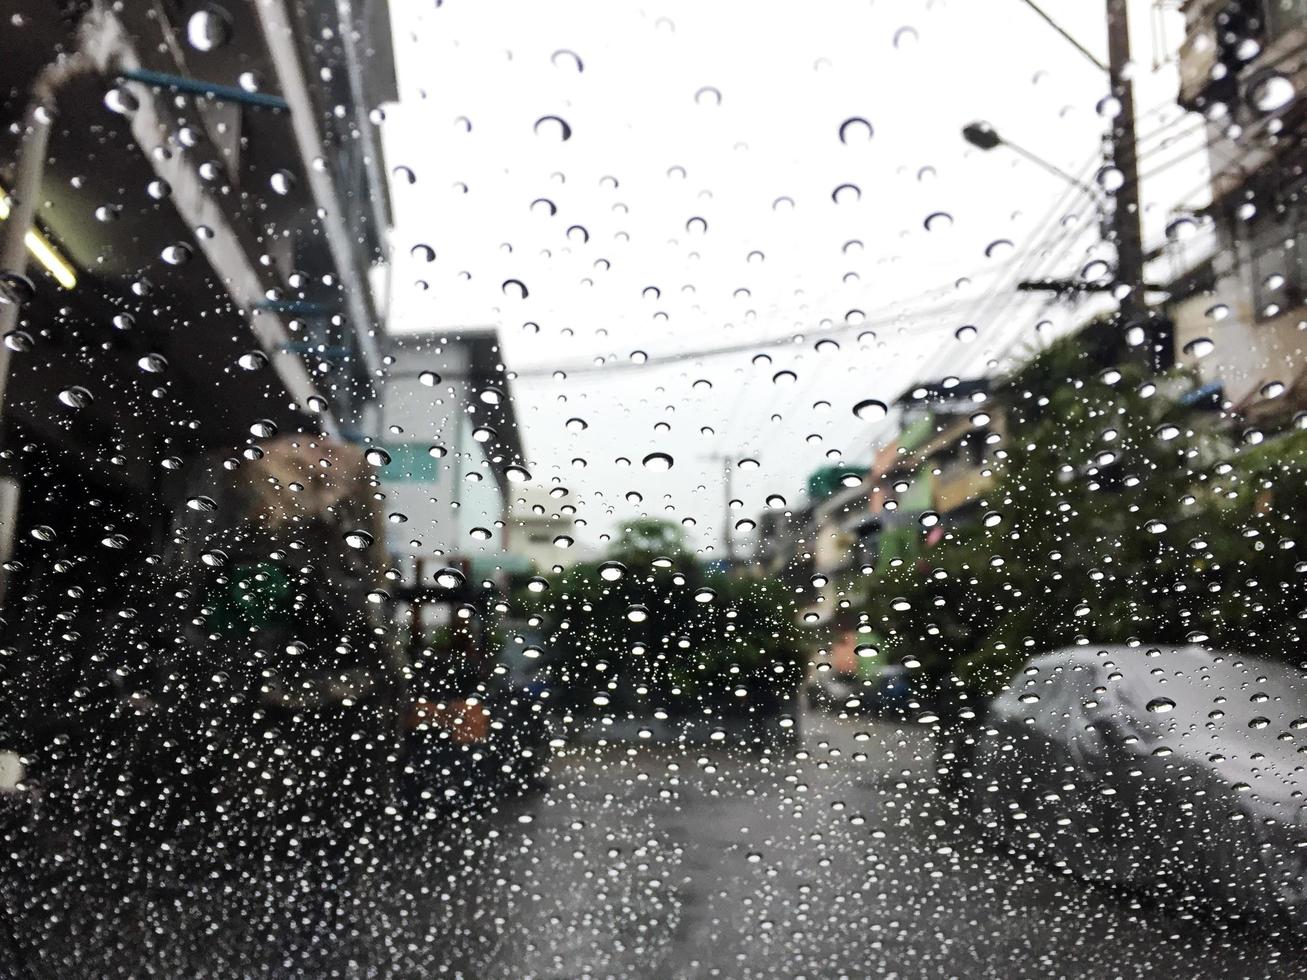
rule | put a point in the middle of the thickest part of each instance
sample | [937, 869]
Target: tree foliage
[1119, 510]
[651, 629]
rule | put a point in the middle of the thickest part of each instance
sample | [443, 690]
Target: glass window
[661, 490]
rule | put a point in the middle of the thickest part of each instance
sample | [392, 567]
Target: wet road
[840, 860]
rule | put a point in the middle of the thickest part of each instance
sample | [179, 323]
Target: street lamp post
[983, 136]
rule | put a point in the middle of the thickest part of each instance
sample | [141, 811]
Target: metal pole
[22, 215]
[1126, 217]
[27, 183]
[728, 538]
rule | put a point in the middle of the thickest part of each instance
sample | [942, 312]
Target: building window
[1283, 16]
[1276, 252]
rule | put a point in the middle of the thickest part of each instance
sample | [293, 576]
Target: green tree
[1120, 511]
[651, 629]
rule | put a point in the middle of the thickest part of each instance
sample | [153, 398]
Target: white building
[539, 521]
[451, 433]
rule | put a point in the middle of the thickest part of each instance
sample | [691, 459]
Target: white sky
[789, 74]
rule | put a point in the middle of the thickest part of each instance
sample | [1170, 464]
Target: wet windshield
[730, 489]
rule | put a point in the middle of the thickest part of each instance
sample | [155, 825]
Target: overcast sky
[703, 160]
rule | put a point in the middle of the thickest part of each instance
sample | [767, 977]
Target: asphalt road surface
[657, 861]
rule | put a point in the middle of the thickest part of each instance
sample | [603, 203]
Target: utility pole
[1125, 230]
[728, 542]
[1127, 214]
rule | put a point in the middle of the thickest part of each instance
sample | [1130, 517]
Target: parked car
[1172, 770]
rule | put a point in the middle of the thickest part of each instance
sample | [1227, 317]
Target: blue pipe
[294, 307]
[193, 86]
[326, 353]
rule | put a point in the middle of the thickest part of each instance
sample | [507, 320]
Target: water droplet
[202, 504]
[450, 578]
[43, 532]
[658, 462]
[121, 101]
[516, 474]
[254, 360]
[515, 288]
[938, 221]
[377, 456]
[209, 28]
[637, 614]
[152, 363]
[784, 378]
[1271, 92]
[282, 182]
[705, 595]
[177, 254]
[576, 425]
[1160, 706]
[1199, 347]
[563, 58]
[708, 96]
[437, 452]
[76, 397]
[563, 541]
[263, 429]
[871, 410]
[748, 463]
[855, 129]
[480, 533]
[998, 249]
[611, 571]
[19, 340]
[905, 37]
[15, 289]
[215, 558]
[993, 519]
[745, 524]
[358, 539]
[537, 584]
[1111, 179]
[846, 194]
[553, 126]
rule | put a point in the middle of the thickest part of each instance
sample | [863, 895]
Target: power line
[1073, 42]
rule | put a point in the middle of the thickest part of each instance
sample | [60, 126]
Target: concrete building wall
[444, 498]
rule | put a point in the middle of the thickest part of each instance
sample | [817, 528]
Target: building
[195, 186]
[1243, 65]
[450, 433]
[542, 519]
[194, 216]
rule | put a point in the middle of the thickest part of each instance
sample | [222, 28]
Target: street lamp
[983, 136]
